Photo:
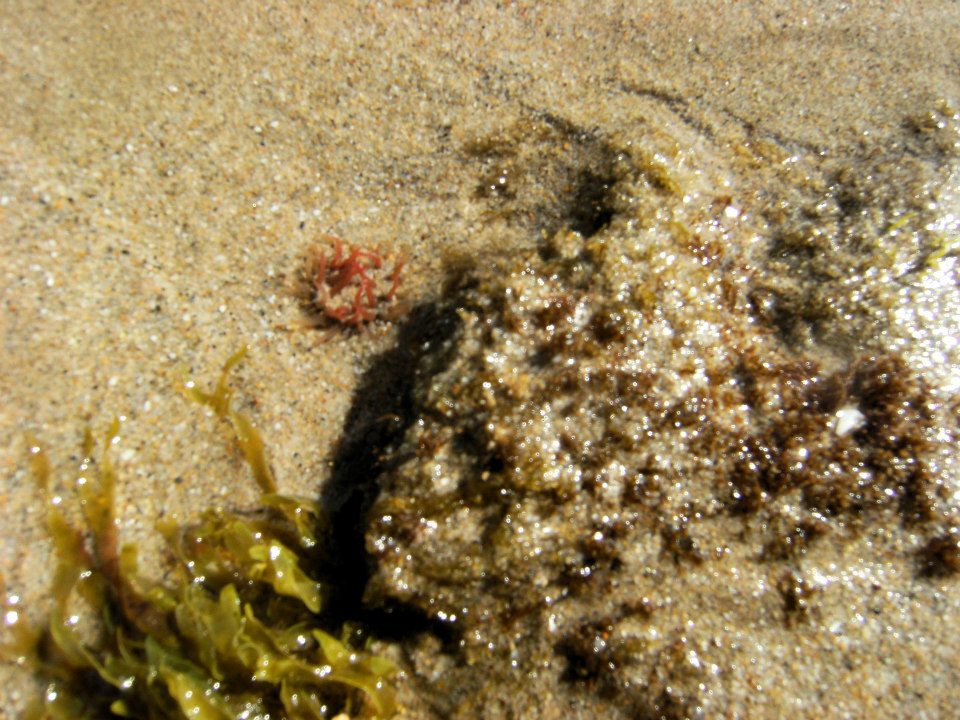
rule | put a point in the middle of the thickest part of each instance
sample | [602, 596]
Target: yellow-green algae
[237, 632]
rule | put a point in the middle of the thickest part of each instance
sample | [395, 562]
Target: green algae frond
[220, 401]
[236, 631]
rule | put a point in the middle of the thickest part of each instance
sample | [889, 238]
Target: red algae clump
[351, 285]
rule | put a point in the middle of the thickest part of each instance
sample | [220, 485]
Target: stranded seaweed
[237, 632]
[690, 399]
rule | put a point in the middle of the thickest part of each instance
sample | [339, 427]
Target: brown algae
[629, 425]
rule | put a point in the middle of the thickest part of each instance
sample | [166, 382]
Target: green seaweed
[220, 401]
[235, 631]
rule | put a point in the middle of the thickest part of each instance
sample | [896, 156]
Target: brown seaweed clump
[614, 427]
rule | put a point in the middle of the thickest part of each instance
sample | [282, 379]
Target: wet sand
[164, 167]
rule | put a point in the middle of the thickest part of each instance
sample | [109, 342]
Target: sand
[165, 166]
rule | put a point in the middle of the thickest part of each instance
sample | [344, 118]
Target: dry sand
[164, 166]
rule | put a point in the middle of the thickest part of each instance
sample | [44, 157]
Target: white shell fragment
[849, 419]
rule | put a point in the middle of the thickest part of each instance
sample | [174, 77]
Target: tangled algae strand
[237, 632]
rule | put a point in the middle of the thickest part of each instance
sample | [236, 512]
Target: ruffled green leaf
[304, 513]
[226, 549]
[368, 673]
[212, 626]
[303, 702]
[277, 565]
[194, 693]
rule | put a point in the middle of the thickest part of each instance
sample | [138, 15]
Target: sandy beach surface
[165, 166]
